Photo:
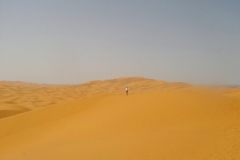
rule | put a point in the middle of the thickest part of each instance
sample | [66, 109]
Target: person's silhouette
[126, 90]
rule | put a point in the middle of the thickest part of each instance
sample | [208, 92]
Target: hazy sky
[74, 41]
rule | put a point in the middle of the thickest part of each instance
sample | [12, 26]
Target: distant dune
[97, 121]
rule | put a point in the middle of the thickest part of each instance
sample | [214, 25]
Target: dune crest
[32, 96]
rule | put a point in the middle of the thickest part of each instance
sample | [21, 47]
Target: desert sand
[97, 121]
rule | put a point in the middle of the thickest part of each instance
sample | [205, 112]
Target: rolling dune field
[97, 121]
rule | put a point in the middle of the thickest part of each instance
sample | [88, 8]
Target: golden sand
[97, 121]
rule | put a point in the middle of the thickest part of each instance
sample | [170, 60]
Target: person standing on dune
[126, 90]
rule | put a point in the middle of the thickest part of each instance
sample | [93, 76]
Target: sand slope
[30, 96]
[157, 121]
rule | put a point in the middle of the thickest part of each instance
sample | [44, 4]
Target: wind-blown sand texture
[97, 121]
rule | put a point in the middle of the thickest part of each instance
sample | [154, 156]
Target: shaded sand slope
[7, 110]
[169, 124]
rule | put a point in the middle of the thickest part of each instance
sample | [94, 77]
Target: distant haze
[71, 42]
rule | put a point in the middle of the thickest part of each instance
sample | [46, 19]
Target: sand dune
[96, 120]
[34, 96]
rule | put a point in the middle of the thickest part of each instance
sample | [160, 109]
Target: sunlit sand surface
[97, 121]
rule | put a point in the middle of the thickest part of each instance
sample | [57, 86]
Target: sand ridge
[158, 120]
[30, 96]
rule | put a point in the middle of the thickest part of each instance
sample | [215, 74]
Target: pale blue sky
[74, 41]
